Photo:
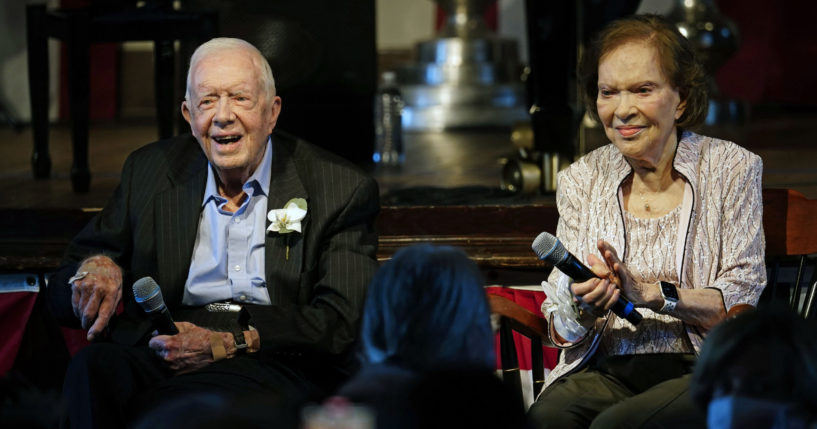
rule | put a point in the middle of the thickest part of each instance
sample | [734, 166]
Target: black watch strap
[240, 341]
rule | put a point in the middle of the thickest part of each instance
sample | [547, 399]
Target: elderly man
[276, 228]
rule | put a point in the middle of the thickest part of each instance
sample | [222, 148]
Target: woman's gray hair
[220, 44]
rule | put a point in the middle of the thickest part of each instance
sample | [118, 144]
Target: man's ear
[186, 111]
[275, 110]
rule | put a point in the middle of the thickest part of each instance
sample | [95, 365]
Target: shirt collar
[258, 181]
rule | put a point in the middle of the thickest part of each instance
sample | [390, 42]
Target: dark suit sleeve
[107, 233]
[327, 321]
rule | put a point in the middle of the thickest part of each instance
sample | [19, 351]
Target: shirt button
[237, 268]
[236, 220]
[242, 298]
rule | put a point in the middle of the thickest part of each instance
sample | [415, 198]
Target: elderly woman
[668, 219]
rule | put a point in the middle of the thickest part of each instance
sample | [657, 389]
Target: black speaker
[323, 58]
[553, 38]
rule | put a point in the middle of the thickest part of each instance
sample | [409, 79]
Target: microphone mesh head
[548, 248]
[147, 293]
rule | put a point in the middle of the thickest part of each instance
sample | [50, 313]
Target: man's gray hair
[229, 44]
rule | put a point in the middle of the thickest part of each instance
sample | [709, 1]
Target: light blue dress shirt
[228, 257]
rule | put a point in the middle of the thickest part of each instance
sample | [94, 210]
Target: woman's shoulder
[713, 148]
[722, 161]
[603, 159]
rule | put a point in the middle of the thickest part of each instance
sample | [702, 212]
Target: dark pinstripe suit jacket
[150, 225]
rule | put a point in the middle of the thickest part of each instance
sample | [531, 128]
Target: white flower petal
[287, 219]
[295, 214]
[275, 214]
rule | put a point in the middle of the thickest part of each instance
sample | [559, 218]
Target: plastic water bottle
[388, 108]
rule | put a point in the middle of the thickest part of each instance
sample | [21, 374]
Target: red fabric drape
[531, 300]
[15, 308]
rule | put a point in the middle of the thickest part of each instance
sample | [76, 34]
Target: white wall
[656, 6]
[14, 62]
[512, 24]
[402, 23]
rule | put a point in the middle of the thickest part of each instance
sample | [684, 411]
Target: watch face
[240, 342]
[669, 291]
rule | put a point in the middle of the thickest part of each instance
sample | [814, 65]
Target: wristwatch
[670, 294]
[240, 341]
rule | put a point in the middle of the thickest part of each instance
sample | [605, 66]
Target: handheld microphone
[550, 249]
[147, 293]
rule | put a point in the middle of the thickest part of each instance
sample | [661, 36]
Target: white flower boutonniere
[287, 219]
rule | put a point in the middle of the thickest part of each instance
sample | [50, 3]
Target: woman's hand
[700, 307]
[190, 349]
[597, 295]
[639, 294]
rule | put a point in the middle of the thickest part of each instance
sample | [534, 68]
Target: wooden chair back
[790, 224]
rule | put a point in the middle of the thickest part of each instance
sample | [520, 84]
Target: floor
[786, 139]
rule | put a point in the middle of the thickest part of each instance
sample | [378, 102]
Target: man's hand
[190, 349]
[95, 296]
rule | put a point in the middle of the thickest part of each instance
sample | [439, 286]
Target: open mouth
[226, 139]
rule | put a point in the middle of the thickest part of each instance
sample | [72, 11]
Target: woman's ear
[679, 111]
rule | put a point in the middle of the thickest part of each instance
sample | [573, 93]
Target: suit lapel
[176, 213]
[285, 184]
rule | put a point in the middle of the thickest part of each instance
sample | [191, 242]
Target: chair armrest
[520, 318]
[740, 308]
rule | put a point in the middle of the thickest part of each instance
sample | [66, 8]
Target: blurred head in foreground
[758, 369]
[426, 307]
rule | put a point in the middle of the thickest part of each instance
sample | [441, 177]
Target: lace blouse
[651, 258]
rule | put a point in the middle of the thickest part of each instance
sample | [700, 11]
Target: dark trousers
[634, 391]
[112, 386]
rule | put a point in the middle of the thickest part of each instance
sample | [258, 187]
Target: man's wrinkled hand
[94, 297]
[188, 350]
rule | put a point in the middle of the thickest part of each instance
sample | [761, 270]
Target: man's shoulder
[317, 162]
[178, 156]
[173, 147]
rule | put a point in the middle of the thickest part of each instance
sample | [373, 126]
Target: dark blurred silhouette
[759, 369]
[24, 405]
[465, 398]
[216, 411]
[427, 348]
[426, 307]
